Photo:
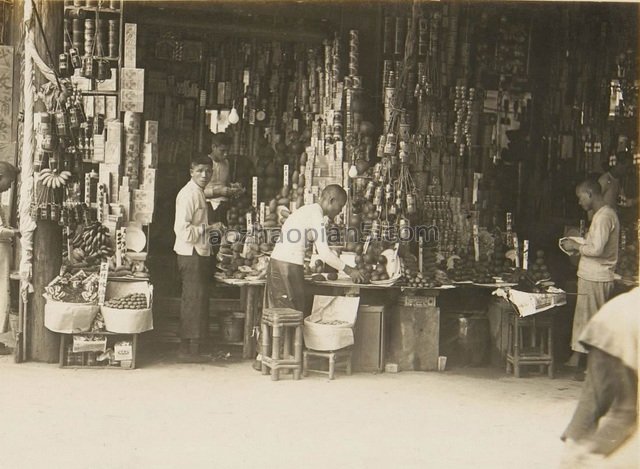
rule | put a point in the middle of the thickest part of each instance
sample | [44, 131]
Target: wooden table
[252, 293]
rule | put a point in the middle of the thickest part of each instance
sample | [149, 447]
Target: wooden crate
[368, 349]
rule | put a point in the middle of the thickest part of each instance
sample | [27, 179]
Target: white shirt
[599, 253]
[191, 221]
[307, 222]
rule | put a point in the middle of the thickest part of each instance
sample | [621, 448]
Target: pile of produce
[537, 268]
[90, 245]
[372, 264]
[243, 258]
[430, 263]
[236, 215]
[128, 268]
[363, 213]
[464, 268]
[277, 210]
[76, 288]
[413, 278]
[130, 301]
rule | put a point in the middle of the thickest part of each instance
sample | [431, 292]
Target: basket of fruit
[127, 307]
[71, 303]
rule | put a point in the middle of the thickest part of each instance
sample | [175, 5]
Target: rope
[27, 224]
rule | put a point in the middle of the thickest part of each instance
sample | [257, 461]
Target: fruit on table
[537, 267]
[130, 301]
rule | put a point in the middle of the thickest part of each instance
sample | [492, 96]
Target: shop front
[458, 132]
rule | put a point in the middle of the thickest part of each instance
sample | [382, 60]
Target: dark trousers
[195, 272]
[285, 286]
[606, 414]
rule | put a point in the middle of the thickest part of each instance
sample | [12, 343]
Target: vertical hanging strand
[27, 224]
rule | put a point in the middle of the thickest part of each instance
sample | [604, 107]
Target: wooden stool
[530, 342]
[277, 324]
[336, 358]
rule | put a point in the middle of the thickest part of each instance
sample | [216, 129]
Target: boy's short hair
[198, 160]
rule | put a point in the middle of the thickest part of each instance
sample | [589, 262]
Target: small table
[530, 342]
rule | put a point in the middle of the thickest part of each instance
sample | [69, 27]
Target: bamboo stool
[530, 342]
[337, 358]
[278, 327]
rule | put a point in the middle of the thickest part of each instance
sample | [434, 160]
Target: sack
[127, 321]
[68, 318]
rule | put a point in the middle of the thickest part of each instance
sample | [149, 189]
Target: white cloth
[191, 221]
[532, 303]
[615, 329]
[306, 223]
[599, 253]
[591, 297]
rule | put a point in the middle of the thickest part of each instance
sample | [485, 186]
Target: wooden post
[47, 246]
[43, 344]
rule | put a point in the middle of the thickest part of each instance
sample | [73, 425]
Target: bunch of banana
[51, 178]
[92, 244]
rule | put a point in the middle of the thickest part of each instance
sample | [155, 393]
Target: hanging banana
[53, 179]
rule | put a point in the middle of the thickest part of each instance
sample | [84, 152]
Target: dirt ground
[169, 415]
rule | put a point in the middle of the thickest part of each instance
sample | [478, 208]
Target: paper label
[254, 192]
[525, 254]
[262, 212]
[249, 218]
[476, 243]
[123, 351]
[516, 246]
[102, 282]
[285, 178]
[420, 255]
[365, 248]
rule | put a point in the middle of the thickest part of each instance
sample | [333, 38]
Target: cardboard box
[149, 179]
[109, 174]
[150, 155]
[143, 200]
[89, 343]
[151, 132]
[98, 148]
[124, 200]
[111, 111]
[130, 44]
[123, 350]
[132, 89]
[113, 145]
